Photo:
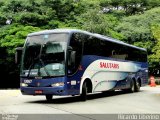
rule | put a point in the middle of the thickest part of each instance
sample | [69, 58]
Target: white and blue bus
[76, 62]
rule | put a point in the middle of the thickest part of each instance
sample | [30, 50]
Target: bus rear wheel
[137, 86]
[132, 86]
[84, 92]
[49, 97]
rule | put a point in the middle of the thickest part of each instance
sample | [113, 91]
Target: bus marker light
[24, 85]
[73, 82]
[80, 67]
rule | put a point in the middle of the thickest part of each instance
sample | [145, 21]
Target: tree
[97, 22]
[11, 36]
[32, 19]
[138, 27]
[154, 58]
[139, 30]
[132, 21]
[14, 35]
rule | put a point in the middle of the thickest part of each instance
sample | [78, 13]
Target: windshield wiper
[45, 69]
[30, 67]
[41, 62]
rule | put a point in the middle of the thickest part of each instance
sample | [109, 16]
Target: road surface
[147, 101]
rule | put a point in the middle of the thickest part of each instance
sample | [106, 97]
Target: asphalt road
[147, 101]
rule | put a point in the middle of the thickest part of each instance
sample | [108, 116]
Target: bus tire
[137, 86]
[132, 86]
[84, 92]
[49, 97]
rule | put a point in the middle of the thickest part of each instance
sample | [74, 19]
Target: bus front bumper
[43, 91]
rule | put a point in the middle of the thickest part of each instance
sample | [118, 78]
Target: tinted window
[137, 55]
[92, 46]
[100, 47]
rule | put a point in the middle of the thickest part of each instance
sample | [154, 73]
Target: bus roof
[85, 32]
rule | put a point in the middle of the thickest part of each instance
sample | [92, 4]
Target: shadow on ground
[73, 99]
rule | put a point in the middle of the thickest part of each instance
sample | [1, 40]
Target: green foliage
[147, 45]
[154, 58]
[138, 27]
[141, 31]
[14, 36]
[97, 22]
[133, 21]
[83, 14]
[156, 31]
[116, 35]
[33, 19]
[130, 7]
[94, 22]
[2, 19]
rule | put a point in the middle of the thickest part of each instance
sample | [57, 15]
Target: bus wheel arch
[89, 85]
[86, 88]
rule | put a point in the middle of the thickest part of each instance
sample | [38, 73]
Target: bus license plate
[38, 92]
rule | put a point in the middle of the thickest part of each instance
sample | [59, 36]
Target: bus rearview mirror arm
[72, 59]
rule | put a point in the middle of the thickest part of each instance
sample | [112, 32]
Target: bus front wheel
[84, 92]
[49, 97]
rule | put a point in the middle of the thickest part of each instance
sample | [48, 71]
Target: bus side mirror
[18, 55]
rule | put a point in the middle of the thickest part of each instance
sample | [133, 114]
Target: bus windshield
[44, 55]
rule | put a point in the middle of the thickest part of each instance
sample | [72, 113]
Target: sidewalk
[153, 89]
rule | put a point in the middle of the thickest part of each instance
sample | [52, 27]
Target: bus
[77, 62]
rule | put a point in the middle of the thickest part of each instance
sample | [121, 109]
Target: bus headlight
[58, 84]
[24, 85]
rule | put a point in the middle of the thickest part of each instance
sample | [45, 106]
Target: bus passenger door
[74, 59]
